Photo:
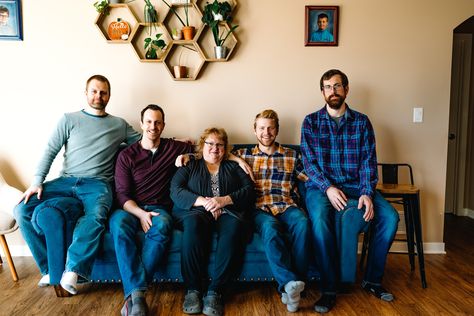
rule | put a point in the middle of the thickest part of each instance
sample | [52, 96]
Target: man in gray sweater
[91, 138]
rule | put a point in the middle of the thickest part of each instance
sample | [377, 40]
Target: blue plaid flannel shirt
[342, 156]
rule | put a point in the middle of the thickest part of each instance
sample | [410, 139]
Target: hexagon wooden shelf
[186, 54]
[116, 11]
[143, 31]
[190, 53]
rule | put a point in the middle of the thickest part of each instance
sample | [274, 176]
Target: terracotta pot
[180, 71]
[188, 33]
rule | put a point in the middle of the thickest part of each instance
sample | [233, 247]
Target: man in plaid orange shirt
[281, 224]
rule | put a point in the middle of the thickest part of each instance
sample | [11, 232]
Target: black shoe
[378, 291]
[325, 303]
[213, 305]
[192, 303]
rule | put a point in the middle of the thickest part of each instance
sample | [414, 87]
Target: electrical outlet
[417, 115]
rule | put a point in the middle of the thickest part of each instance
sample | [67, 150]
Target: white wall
[397, 55]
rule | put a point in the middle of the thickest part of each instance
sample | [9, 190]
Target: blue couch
[56, 220]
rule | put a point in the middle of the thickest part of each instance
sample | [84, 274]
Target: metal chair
[408, 196]
[9, 197]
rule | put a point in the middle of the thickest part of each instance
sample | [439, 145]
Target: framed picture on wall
[10, 20]
[321, 25]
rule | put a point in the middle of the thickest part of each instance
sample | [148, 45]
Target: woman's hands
[214, 205]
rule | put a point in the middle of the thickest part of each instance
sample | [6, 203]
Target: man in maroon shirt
[142, 179]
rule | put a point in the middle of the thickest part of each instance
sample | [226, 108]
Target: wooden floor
[450, 289]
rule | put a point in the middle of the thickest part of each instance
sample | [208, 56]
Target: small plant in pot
[152, 45]
[215, 13]
[102, 6]
[188, 31]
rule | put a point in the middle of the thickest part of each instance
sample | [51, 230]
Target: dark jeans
[285, 239]
[322, 216]
[138, 264]
[198, 228]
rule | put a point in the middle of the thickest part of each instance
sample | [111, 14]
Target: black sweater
[194, 180]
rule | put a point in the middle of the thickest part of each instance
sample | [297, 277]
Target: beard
[98, 105]
[266, 142]
[335, 101]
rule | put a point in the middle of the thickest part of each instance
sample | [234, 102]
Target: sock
[139, 307]
[69, 282]
[127, 307]
[293, 290]
[45, 281]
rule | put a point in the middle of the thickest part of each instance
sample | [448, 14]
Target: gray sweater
[90, 145]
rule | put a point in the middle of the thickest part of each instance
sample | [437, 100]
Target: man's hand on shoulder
[366, 201]
[182, 160]
[34, 189]
[337, 198]
[243, 164]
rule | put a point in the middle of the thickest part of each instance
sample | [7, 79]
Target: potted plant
[176, 34]
[218, 11]
[181, 71]
[153, 45]
[214, 13]
[188, 31]
[102, 6]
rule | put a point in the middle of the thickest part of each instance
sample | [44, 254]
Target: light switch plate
[417, 115]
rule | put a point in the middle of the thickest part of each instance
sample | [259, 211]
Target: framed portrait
[321, 27]
[10, 20]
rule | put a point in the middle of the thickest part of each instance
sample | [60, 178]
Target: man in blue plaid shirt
[338, 151]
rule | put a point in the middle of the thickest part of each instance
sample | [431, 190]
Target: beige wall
[397, 55]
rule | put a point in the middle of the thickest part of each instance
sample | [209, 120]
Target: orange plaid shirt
[275, 177]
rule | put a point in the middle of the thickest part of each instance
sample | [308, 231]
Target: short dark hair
[4, 9]
[98, 78]
[331, 73]
[152, 107]
[322, 16]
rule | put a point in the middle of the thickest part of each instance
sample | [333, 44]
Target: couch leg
[60, 292]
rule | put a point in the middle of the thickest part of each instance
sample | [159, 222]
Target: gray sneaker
[213, 305]
[192, 303]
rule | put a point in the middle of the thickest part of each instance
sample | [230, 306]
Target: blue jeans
[96, 196]
[323, 225]
[349, 224]
[137, 266]
[285, 239]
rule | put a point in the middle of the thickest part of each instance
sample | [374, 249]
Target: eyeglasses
[335, 87]
[217, 145]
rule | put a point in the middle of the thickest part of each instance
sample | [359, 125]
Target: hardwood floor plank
[450, 289]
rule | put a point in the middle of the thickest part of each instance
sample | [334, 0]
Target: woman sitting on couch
[211, 194]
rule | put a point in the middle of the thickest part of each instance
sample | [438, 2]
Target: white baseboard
[466, 212]
[19, 251]
[397, 247]
[428, 247]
